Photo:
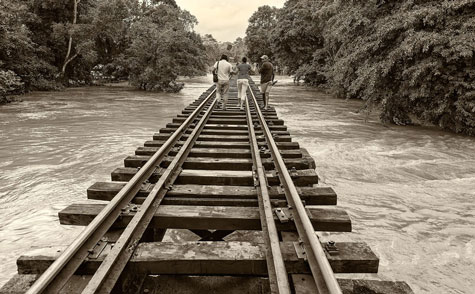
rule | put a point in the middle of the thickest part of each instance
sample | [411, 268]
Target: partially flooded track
[212, 172]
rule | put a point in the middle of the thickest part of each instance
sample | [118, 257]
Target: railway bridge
[244, 199]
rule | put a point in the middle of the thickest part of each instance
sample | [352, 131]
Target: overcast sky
[224, 19]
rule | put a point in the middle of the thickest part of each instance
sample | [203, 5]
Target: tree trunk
[68, 59]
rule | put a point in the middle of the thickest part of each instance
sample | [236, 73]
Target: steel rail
[111, 268]
[278, 277]
[58, 273]
[321, 270]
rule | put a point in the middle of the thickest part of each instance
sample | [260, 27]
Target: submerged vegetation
[414, 59]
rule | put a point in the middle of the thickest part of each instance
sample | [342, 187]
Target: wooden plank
[181, 284]
[324, 218]
[225, 138]
[303, 177]
[241, 178]
[357, 286]
[242, 164]
[198, 163]
[231, 113]
[233, 145]
[311, 195]
[175, 126]
[210, 163]
[216, 202]
[222, 132]
[235, 121]
[208, 258]
[107, 190]
[232, 108]
[307, 155]
[304, 284]
[218, 152]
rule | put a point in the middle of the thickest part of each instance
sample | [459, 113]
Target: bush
[10, 83]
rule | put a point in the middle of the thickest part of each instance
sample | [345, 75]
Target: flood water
[410, 191]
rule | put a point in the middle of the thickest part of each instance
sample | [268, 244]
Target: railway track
[240, 185]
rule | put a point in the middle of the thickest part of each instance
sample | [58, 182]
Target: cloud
[224, 19]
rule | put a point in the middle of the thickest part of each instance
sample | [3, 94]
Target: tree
[112, 21]
[296, 35]
[63, 28]
[257, 38]
[212, 49]
[45, 41]
[164, 46]
[19, 54]
[415, 59]
[239, 49]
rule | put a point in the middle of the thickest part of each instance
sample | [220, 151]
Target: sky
[224, 19]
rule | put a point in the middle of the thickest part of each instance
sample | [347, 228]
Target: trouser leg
[239, 86]
[264, 99]
[245, 85]
[225, 94]
[218, 92]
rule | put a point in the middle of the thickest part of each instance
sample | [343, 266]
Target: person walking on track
[267, 78]
[223, 69]
[243, 71]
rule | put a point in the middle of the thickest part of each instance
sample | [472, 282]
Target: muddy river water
[410, 191]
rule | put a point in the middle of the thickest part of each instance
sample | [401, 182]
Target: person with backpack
[222, 71]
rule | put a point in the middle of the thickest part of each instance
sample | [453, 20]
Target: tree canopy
[164, 46]
[413, 60]
[53, 42]
[258, 32]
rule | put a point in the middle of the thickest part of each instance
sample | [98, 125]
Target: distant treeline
[46, 44]
[414, 60]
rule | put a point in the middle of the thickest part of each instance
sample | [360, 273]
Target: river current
[410, 191]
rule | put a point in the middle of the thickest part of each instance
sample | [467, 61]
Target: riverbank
[374, 112]
[6, 100]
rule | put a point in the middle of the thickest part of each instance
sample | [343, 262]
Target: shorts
[265, 87]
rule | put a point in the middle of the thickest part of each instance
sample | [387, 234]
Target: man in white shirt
[224, 70]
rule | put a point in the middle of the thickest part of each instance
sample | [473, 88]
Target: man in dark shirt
[267, 76]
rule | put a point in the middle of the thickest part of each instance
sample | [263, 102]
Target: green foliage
[258, 39]
[238, 50]
[54, 24]
[414, 58]
[112, 21]
[163, 47]
[48, 42]
[10, 83]
[212, 49]
[18, 52]
[296, 35]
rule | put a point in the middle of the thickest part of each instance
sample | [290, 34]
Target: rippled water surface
[410, 191]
